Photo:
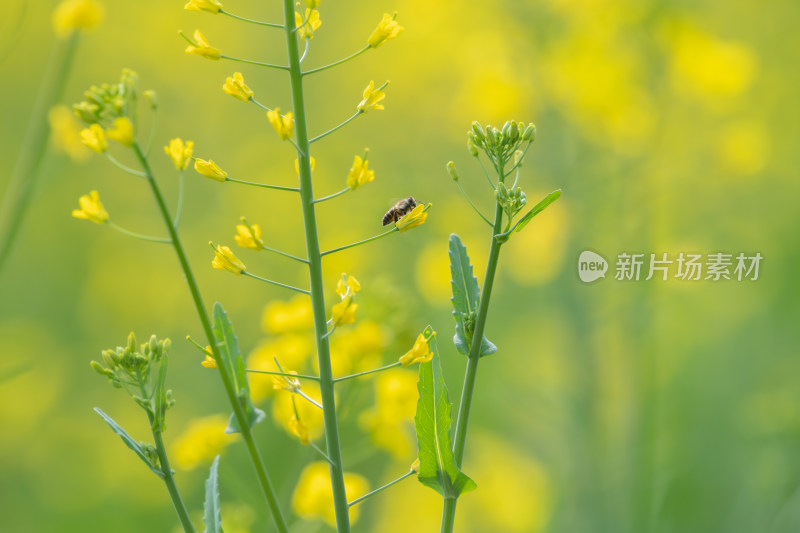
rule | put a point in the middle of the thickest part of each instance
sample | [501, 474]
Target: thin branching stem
[137, 235]
[332, 196]
[474, 207]
[376, 491]
[263, 185]
[348, 58]
[277, 283]
[284, 374]
[259, 104]
[126, 168]
[268, 24]
[284, 254]
[251, 62]
[343, 124]
[359, 243]
[381, 369]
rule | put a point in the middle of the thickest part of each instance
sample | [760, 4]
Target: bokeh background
[612, 407]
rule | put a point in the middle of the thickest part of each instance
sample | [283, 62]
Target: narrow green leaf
[466, 297]
[437, 469]
[211, 514]
[128, 440]
[232, 359]
[538, 208]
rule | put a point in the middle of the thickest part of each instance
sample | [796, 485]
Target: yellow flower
[285, 382]
[415, 465]
[201, 441]
[209, 169]
[299, 430]
[415, 218]
[297, 165]
[313, 496]
[180, 152]
[420, 353]
[121, 131]
[282, 317]
[236, 87]
[282, 123]
[94, 137]
[248, 236]
[209, 362]
[91, 208]
[359, 173]
[387, 28]
[72, 15]
[288, 406]
[344, 312]
[347, 285]
[225, 260]
[371, 98]
[200, 47]
[212, 6]
[306, 31]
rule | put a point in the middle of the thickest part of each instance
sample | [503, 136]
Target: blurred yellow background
[612, 407]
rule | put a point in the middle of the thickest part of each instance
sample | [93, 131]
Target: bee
[399, 210]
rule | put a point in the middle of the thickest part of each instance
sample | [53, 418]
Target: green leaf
[466, 297]
[211, 515]
[538, 208]
[232, 360]
[128, 440]
[437, 469]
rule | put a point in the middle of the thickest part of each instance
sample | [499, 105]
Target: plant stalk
[315, 275]
[449, 511]
[169, 481]
[227, 380]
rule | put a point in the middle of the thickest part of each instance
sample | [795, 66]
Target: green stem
[474, 207]
[169, 480]
[179, 209]
[136, 235]
[126, 168]
[269, 24]
[376, 491]
[227, 380]
[332, 196]
[264, 185]
[23, 178]
[284, 254]
[279, 284]
[449, 511]
[315, 276]
[285, 374]
[346, 246]
[348, 58]
[342, 125]
[387, 367]
[251, 62]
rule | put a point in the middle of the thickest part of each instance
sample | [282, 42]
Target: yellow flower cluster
[344, 312]
[313, 496]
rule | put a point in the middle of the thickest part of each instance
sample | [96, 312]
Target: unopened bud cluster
[499, 144]
[512, 201]
[133, 367]
[107, 102]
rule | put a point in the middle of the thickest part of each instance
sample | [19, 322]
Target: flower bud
[108, 358]
[478, 131]
[451, 169]
[152, 98]
[132, 342]
[100, 369]
[471, 145]
[530, 133]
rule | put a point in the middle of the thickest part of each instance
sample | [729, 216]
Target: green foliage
[538, 208]
[129, 442]
[211, 515]
[438, 469]
[232, 360]
[466, 297]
